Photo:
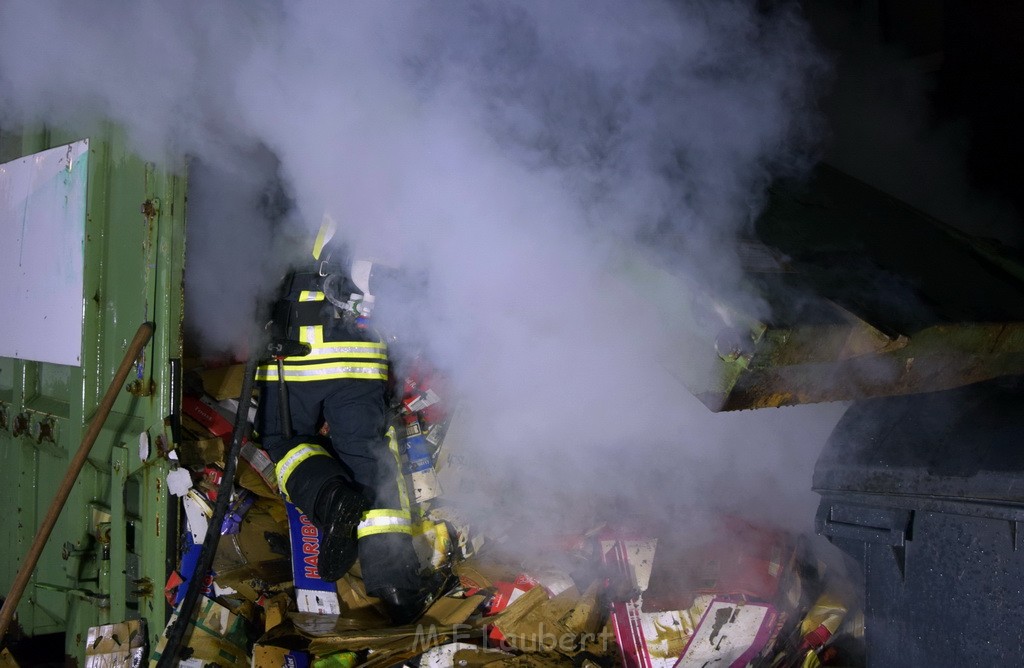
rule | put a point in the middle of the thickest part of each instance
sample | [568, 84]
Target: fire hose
[177, 635]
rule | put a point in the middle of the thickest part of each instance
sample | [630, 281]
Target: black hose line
[177, 637]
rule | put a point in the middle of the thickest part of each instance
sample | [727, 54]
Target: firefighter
[349, 484]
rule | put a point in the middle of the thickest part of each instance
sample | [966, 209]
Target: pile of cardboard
[617, 594]
[735, 595]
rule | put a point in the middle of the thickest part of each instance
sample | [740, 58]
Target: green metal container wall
[108, 557]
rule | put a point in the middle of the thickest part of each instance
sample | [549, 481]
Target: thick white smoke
[508, 153]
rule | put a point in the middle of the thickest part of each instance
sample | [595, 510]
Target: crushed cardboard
[216, 636]
[447, 619]
[275, 610]
[268, 656]
[502, 613]
[460, 654]
[357, 605]
[561, 624]
[452, 611]
[223, 382]
[480, 658]
[201, 451]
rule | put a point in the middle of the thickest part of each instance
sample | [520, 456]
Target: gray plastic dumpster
[926, 492]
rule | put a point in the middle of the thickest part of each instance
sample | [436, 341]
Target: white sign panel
[42, 232]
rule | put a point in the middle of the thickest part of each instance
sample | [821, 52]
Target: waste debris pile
[619, 593]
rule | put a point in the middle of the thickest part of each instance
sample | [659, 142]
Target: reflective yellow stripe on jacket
[331, 360]
[328, 371]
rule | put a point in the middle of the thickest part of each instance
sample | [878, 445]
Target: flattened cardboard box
[730, 634]
[217, 636]
[223, 382]
[312, 593]
[265, 656]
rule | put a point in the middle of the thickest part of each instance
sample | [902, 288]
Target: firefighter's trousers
[357, 450]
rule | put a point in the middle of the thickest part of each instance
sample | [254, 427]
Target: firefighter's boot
[339, 507]
[391, 573]
[404, 606]
[316, 483]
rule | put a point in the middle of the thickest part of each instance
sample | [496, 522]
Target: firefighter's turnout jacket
[341, 382]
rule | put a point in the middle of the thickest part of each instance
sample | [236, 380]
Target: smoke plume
[507, 154]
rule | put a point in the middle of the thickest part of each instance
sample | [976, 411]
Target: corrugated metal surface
[107, 558]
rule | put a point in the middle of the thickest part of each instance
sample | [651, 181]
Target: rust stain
[47, 430]
[21, 424]
[143, 587]
[140, 389]
[149, 210]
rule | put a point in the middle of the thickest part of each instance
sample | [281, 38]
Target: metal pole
[284, 409]
[74, 468]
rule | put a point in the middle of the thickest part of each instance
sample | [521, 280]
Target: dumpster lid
[961, 444]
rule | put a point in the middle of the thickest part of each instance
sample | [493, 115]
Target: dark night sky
[981, 79]
[959, 90]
